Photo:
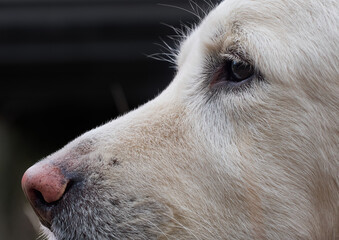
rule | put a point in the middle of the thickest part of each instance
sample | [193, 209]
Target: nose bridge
[136, 133]
[150, 126]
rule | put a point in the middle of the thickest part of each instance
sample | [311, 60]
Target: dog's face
[242, 145]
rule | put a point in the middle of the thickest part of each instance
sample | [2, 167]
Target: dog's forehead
[245, 21]
[241, 22]
[255, 14]
[261, 28]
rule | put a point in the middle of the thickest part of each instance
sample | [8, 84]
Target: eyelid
[236, 57]
[230, 57]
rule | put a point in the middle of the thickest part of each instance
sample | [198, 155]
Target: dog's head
[243, 144]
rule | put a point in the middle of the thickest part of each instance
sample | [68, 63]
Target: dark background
[67, 66]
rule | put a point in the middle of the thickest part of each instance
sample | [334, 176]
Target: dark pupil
[241, 71]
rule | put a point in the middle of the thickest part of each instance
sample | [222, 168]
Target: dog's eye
[233, 74]
[240, 71]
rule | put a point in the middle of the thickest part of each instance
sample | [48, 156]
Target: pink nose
[45, 179]
[43, 185]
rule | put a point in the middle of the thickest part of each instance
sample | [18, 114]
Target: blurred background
[67, 66]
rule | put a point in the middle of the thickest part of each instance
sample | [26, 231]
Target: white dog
[243, 144]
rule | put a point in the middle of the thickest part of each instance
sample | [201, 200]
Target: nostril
[44, 185]
[38, 196]
[39, 199]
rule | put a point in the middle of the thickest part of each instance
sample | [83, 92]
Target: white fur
[256, 164]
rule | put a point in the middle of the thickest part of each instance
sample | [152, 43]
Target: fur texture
[203, 162]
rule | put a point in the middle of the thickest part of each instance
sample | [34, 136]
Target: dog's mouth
[71, 206]
[99, 214]
[44, 212]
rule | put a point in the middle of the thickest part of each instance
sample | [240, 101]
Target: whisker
[209, 3]
[182, 226]
[155, 226]
[139, 232]
[180, 8]
[198, 9]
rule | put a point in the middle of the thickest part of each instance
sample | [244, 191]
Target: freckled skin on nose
[46, 179]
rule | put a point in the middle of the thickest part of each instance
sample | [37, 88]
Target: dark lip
[44, 222]
[44, 213]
